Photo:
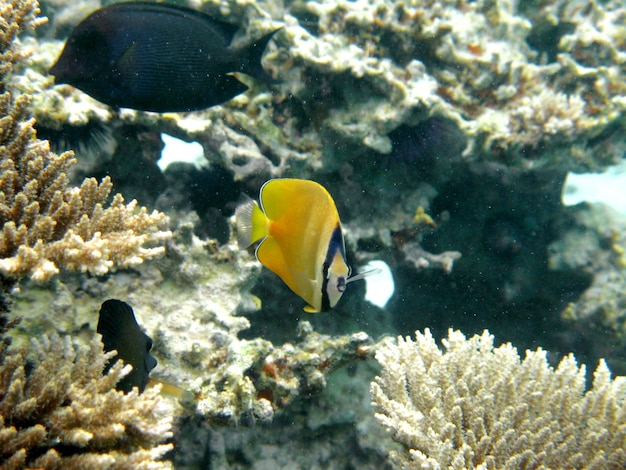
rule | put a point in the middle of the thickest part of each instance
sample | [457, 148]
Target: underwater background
[445, 131]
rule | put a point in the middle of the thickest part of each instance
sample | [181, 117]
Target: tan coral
[66, 414]
[46, 224]
[15, 17]
[537, 118]
[476, 406]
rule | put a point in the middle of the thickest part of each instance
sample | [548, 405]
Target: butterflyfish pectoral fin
[252, 224]
[364, 274]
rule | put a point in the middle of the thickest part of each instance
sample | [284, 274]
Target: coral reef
[440, 128]
[334, 429]
[301, 369]
[16, 16]
[195, 304]
[477, 79]
[355, 71]
[476, 406]
[57, 410]
[259, 378]
[47, 224]
[592, 245]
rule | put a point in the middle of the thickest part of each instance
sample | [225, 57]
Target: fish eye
[341, 283]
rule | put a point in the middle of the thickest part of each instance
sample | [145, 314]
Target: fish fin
[252, 224]
[229, 88]
[269, 253]
[251, 59]
[364, 274]
[125, 63]
[309, 309]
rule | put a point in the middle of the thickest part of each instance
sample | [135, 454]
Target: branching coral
[46, 224]
[15, 17]
[476, 406]
[545, 115]
[65, 414]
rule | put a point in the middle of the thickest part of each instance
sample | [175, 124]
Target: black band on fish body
[325, 298]
[335, 246]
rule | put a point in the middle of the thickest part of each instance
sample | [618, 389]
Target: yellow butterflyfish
[300, 239]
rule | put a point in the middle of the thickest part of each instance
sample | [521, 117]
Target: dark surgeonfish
[157, 57]
[120, 332]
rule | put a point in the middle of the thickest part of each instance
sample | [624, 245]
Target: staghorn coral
[476, 406]
[63, 413]
[15, 17]
[46, 224]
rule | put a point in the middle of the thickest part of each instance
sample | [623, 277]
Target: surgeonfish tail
[251, 59]
[251, 224]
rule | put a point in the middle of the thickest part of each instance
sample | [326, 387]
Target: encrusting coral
[46, 224]
[59, 411]
[476, 406]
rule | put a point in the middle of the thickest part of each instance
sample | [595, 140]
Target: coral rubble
[476, 406]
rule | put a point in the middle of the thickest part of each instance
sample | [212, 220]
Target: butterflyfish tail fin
[252, 224]
[363, 275]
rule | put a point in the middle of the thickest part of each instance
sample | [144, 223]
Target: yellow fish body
[300, 238]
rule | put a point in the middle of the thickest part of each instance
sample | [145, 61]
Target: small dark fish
[120, 332]
[156, 57]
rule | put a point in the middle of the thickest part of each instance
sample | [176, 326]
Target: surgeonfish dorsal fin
[251, 59]
[251, 224]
